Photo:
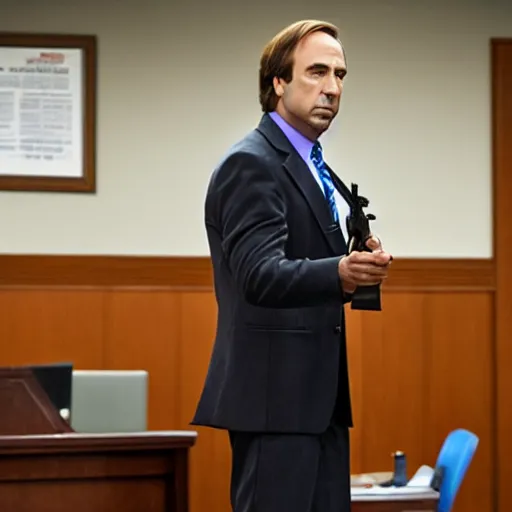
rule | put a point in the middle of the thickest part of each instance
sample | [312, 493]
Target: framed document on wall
[47, 112]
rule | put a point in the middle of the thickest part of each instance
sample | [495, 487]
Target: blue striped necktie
[325, 177]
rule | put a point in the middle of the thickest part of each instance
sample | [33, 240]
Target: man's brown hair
[277, 57]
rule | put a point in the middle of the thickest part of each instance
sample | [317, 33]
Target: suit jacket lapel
[306, 183]
[301, 175]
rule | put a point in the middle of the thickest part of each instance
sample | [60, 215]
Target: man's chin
[321, 123]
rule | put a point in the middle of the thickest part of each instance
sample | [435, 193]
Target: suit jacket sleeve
[250, 214]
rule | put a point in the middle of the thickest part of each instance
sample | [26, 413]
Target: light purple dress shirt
[304, 146]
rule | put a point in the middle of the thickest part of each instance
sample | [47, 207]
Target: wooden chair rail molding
[195, 272]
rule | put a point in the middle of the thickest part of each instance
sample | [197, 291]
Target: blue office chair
[454, 458]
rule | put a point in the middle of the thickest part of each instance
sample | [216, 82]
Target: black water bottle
[400, 475]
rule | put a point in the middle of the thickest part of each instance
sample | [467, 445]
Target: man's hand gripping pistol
[358, 227]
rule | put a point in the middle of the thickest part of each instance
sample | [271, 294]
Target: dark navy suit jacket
[279, 360]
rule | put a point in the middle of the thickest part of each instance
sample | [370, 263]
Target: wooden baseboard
[195, 272]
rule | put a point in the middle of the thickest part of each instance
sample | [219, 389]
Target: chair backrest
[454, 457]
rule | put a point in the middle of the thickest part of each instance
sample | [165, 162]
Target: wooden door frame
[501, 73]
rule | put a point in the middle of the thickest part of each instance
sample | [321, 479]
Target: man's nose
[331, 86]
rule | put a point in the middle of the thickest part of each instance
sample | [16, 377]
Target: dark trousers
[291, 472]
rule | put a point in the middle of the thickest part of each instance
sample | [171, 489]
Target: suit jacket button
[337, 329]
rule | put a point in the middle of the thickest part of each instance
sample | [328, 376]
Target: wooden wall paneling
[355, 348]
[168, 328]
[459, 386]
[142, 332]
[210, 462]
[501, 53]
[39, 325]
[393, 382]
[164, 319]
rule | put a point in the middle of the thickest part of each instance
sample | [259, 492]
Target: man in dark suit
[278, 377]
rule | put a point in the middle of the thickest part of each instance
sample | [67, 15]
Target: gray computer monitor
[107, 401]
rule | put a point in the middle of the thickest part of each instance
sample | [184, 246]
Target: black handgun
[358, 226]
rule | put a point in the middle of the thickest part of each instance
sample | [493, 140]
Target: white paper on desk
[422, 477]
[387, 491]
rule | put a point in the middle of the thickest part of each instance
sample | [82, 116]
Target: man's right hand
[363, 269]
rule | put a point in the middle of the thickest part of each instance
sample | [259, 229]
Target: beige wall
[178, 85]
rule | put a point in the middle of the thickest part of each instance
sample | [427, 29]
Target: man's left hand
[375, 245]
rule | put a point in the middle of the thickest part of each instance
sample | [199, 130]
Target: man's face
[310, 101]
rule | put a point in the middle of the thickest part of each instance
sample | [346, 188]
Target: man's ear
[278, 86]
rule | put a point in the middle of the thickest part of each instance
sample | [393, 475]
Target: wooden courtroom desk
[46, 466]
[424, 501]
[143, 472]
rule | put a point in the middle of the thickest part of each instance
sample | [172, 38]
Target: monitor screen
[56, 381]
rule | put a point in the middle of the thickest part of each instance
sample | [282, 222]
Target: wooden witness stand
[45, 465]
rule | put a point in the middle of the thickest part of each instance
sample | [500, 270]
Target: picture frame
[48, 112]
